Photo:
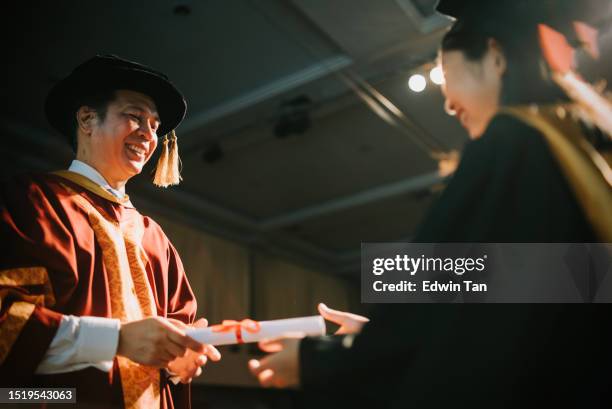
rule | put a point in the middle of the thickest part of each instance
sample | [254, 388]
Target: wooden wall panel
[218, 271]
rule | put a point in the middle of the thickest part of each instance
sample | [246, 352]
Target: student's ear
[86, 118]
[499, 59]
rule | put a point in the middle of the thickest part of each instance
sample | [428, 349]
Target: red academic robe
[52, 263]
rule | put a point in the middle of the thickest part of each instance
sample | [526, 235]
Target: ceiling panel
[342, 154]
[393, 219]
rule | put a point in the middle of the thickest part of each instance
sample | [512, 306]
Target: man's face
[122, 143]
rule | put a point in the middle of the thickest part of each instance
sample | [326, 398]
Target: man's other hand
[190, 365]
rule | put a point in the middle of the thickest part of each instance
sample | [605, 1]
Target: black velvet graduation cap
[450, 8]
[109, 72]
[557, 13]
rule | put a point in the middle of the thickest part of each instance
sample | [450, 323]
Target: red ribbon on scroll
[237, 327]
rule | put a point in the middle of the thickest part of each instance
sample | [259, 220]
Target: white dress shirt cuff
[98, 339]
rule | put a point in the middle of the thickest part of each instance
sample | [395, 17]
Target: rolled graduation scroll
[240, 332]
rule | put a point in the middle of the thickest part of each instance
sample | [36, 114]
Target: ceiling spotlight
[417, 82]
[436, 75]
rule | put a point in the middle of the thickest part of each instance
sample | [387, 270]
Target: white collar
[90, 173]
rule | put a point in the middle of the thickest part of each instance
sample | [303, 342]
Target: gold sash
[586, 170]
[130, 295]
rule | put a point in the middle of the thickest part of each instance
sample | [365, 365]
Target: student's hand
[281, 368]
[190, 365]
[155, 341]
[349, 323]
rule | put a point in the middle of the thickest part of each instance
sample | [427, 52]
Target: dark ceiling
[278, 150]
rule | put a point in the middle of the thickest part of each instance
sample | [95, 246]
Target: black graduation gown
[507, 188]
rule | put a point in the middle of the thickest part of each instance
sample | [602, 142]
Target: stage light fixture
[417, 82]
[436, 75]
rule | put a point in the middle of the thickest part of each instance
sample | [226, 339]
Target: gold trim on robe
[131, 295]
[18, 316]
[20, 311]
[92, 186]
[587, 172]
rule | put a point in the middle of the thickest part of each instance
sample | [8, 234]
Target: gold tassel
[167, 172]
[174, 162]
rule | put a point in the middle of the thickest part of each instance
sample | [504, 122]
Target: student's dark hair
[525, 79]
[98, 102]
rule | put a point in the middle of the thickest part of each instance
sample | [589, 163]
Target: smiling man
[92, 294]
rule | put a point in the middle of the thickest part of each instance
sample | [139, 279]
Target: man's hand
[280, 369]
[189, 366]
[154, 342]
[349, 323]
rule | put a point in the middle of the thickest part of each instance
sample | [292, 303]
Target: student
[511, 186]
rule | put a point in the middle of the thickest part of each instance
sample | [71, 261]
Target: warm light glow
[436, 75]
[417, 82]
